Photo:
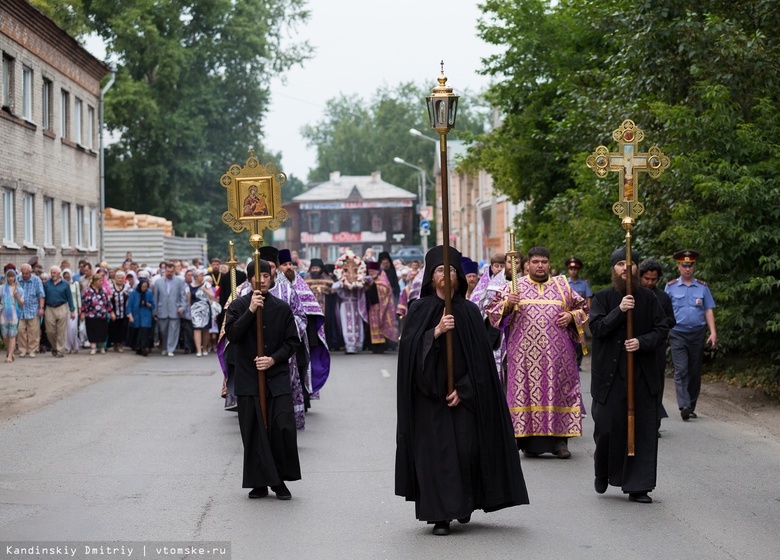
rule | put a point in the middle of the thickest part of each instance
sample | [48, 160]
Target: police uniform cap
[686, 256]
[573, 261]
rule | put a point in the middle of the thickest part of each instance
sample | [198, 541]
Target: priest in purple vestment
[541, 323]
[316, 354]
[381, 309]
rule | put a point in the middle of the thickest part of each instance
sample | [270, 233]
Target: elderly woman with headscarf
[199, 298]
[96, 308]
[11, 302]
[140, 305]
[117, 328]
[72, 341]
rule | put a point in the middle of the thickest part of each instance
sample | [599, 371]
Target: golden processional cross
[628, 162]
[254, 201]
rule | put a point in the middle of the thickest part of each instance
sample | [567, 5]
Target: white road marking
[385, 373]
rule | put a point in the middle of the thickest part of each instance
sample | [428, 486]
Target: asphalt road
[148, 454]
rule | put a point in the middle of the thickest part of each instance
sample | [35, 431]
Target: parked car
[408, 254]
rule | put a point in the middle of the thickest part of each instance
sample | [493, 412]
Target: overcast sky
[362, 45]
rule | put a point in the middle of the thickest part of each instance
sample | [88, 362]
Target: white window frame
[64, 112]
[78, 106]
[48, 222]
[92, 231]
[8, 217]
[80, 216]
[90, 143]
[48, 88]
[27, 93]
[333, 250]
[28, 212]
[65, 221]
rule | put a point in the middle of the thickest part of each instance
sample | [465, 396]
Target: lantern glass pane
[429, 102]
[453, 112]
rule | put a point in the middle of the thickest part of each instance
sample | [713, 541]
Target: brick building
[350, 212]
[49, 160]
[480, 217]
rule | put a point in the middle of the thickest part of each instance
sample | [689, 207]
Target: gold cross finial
[251, 152]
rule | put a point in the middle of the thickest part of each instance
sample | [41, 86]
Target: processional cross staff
[628, 161]
[442, 110]
[243, 184]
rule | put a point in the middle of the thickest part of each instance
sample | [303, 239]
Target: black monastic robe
[608, 388]
[270, 456]
[452, 461]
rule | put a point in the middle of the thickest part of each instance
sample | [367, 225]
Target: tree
[189, 98]
[357, 137]
[700, 79]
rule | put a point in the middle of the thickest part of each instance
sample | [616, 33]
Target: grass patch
[738, 371]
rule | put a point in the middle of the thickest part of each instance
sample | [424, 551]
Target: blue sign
[425, 224]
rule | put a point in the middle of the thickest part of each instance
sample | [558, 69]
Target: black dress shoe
[600, 485]
[640, 498]
[464, 520]
[441, 528]
[230, 403]
[281, 491]
[530, 454]
[256, 493]
[693, 414]
[685, 412]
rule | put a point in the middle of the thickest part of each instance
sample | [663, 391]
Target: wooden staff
[445, 210]
[260, 345]
[630, 355]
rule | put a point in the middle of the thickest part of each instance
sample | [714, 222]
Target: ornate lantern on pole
[442, 110]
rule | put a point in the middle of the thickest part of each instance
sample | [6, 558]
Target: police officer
[693, 310]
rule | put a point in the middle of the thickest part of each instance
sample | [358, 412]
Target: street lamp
[418, 134]
[442, 110]
[422, 187]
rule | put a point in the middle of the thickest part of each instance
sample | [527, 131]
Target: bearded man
[635, 475]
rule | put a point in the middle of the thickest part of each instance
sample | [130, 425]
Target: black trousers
[612, 463]
[270, 455]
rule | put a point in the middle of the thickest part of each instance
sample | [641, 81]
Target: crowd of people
[98, 307]
[495, 373]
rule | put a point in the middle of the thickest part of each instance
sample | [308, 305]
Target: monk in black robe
[270, 455]
[635, 475]
[455, 453]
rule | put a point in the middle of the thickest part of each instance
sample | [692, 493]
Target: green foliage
[190, 95]
[68, 14]
[700, 79]
[357, 136]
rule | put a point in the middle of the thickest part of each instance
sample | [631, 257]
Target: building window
[27, 96]
[354, 223]
[313, 252]
[29, 217]
[333, 222]
[334, 253]
[48, 222]
[77, 121]
[398, 221]
[47, 104]
[314, 222]
[376, 223]
[8, 82]
[8, 217]
[90, 127]
[92, 228]
[79, 226]
[64, 113]
[66, 224]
